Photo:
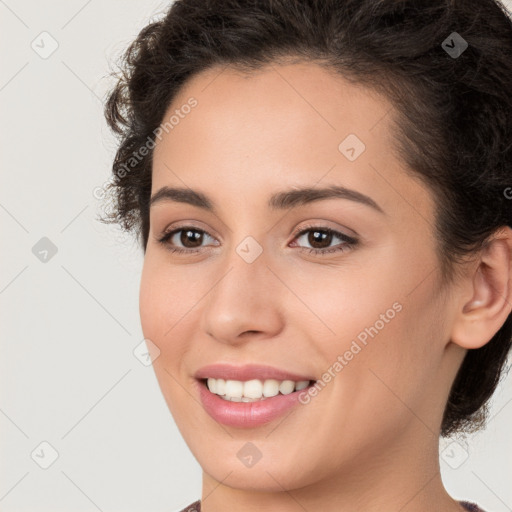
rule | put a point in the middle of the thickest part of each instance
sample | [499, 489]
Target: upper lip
[247, 372]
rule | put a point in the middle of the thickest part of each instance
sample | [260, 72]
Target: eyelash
[349, 242]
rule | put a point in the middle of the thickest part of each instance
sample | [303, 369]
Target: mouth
[254, 390]
[250, 395]
[251, 403]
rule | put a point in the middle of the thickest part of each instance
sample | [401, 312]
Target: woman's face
[364, 315]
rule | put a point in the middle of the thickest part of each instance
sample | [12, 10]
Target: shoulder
[193, 507]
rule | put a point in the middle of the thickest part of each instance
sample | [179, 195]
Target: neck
[404, 477]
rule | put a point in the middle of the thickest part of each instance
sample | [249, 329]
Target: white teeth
[253, 390]
[234, 388]
[212, 385]
[286, 387]
[243, 399]
[270, 387]
[220, 386]
[300, 385]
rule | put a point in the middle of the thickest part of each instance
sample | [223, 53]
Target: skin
[369, 440]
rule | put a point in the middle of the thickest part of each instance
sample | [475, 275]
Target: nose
[245, 301]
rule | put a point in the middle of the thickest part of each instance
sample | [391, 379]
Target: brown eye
[321, 238]
[191, 237]
[185, 239]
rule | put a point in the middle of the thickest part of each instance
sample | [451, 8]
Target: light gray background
[69, 376]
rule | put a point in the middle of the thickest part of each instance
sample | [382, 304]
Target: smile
[249, 396]
[253, 390]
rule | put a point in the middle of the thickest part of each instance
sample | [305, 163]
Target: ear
[486, 297]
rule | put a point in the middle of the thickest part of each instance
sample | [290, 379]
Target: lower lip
[246, 414]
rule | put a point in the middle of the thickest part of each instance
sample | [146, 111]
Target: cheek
[385, 321]
[161, 305]
[393, 376]
[344, 304]
[169, 299]
[152, 302]
[165, 304]
[165, 297]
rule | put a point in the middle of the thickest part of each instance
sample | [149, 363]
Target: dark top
[471, 507]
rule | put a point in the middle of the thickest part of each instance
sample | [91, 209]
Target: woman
[321, 190]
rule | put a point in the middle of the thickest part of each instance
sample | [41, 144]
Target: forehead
[282, 101]
[285, 124]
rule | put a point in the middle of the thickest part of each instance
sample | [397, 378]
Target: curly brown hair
[454, 112]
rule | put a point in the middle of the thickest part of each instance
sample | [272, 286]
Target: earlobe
[490, 294]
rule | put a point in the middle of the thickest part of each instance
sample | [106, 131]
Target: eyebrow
[284, 200]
